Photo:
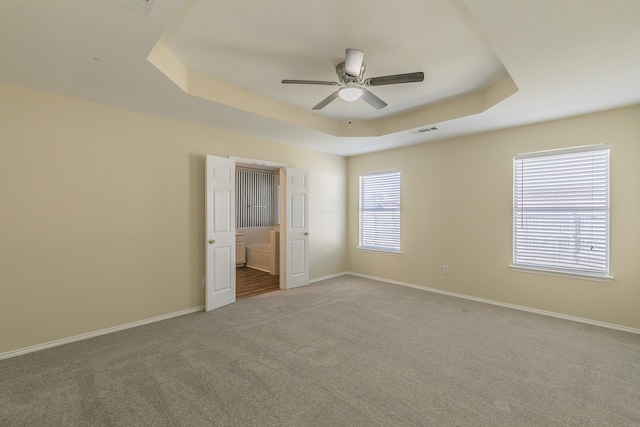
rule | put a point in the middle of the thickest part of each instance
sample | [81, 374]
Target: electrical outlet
[445, 269]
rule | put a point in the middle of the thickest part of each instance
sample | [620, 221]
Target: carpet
[347, 351]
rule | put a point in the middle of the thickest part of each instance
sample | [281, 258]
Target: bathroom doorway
[258, 202]
[221, 236]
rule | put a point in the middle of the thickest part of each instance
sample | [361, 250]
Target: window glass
[380, 211]
[561, 210]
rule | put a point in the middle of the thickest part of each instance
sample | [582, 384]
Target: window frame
[397, 248]
[549, 269]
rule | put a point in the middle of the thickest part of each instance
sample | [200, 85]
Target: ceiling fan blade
[310, 82]
[326, 101]
[373, 100]
[395, 79]
[353, 62]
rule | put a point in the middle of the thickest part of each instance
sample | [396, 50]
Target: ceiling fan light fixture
[350, 93]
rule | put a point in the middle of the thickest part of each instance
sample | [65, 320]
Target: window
[380, 211]
[561, 211]
[257, 197]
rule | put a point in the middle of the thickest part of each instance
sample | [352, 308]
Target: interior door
[297, 228]
[220, 251]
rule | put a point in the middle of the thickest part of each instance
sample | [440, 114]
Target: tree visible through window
[380, 211]
[561, 210]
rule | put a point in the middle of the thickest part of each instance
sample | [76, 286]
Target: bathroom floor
[251, 282]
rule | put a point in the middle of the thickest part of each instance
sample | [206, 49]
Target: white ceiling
[567, 57]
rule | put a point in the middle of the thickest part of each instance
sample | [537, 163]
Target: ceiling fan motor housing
[346, 78]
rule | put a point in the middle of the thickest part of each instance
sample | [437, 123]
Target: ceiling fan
[353, 84]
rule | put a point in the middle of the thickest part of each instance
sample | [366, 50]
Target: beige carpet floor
[343, 352]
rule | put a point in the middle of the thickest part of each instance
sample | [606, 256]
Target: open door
[220, 250]
[296, 228]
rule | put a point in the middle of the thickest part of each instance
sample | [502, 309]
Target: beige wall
[456, 210]
[102, 214]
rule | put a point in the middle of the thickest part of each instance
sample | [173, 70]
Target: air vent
[142, 6]
[423, 130]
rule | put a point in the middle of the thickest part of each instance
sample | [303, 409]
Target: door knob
[306, 233]
[211, 241]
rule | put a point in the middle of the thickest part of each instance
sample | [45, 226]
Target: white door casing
[296, 228]
[220, 263]
[220, 249]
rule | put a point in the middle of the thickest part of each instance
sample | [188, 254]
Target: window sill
[551, 272]
[381, 251]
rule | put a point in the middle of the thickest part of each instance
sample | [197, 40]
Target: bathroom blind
[380, 211]
[256, 198]
[561, 210]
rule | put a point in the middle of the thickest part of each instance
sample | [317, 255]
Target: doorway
[258, 250]
[220, 232]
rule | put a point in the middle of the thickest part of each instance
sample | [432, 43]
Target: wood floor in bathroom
[251, 282]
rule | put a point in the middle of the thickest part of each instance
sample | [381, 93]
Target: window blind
[561, 210]
[257, 198]
[380, 211]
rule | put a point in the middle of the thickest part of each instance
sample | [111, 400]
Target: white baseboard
[257, 267]
[504, 304]
[56, 343]
[331, 276]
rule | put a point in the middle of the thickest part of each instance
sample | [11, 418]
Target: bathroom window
[257, 198]
[380, 211]
[561, 211]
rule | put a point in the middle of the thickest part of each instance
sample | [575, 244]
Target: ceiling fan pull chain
[349, 116]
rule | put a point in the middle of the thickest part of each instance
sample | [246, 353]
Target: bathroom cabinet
[241, 251]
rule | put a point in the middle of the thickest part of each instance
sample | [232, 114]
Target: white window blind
[257, 198]
[561, 210]
[380, 211]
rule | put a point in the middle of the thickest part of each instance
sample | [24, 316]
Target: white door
[220, 239]
[297, 228]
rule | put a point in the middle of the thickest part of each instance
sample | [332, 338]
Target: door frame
[230, 163]
[282, 167]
